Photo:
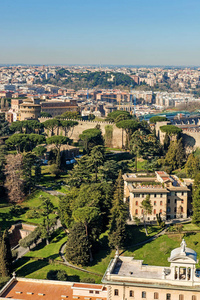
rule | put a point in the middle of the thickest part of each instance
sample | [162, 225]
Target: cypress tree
[5, 256]
[118, 217]
[77, 247]
[196, 200]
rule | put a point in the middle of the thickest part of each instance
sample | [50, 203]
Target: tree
[171, 129]
[196, 200]
[129, 126]
[91, 138]
[4, 126]
[80, 173]
[156, 119]
[175, 156]
[24, 142]
[51, 125]
[31, 163]
[85, 215]
[13, 173]
[118, 217]
[45, 114]
[5, 255]
[146, 209]
[3, 152]
[39, 151]
[118, 115]
[58, 141]
[96, 159]
[67, 125]
[91, 117]
[192, 166]
[77, 246]
[46, 209]
[110, 170]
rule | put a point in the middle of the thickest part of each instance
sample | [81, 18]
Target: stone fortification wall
[118, 136]
[191, 138]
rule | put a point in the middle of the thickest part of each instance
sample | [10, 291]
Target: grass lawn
[102, 257]
[7, 218]
[190, 227]
[35, 264]
[51, 250]
[163, 246]
[49, 180]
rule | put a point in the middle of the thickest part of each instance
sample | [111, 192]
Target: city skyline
[114, 33]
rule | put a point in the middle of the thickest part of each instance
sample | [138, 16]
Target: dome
[183, 252]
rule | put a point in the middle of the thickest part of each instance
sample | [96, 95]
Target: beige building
[169, 196]
[30, 109]
[55, 108]
[127, 278]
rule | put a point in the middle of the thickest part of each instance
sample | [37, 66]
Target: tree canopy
[156, 119]
[171, 129]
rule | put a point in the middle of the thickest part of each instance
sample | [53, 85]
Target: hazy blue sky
[133, 32]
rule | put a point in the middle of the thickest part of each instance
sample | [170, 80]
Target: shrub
[60, 275]
[32, 214]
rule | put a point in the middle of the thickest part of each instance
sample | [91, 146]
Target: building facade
[169, 196]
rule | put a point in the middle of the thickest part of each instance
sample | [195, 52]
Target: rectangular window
[175, 200]
[154, 211]
[96, 292]
[182, 193]
[168, 201]
[143, 294]
[91, 292]
[155, 295]
[136, 202]
[160, 202]
[131, 294]
[154, 203]
[160, 195]
[155, 195]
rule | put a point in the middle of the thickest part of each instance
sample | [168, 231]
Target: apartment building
[56, 108]
[169, 196]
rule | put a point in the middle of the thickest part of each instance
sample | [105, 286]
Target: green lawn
[51, 250]
[7, 218]
[163, 246]
[36, 264]
[190, 227]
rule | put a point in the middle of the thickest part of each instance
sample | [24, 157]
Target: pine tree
[117, 224]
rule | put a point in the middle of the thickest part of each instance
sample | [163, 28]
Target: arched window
[161, 211]
[136, 211]
[160, 202]
[131, 293]
[116, 292]
[194, 297]
[136, 202]
[143, 294]
[168, 297]
[154, 203]
[181, 297]
[155, 295]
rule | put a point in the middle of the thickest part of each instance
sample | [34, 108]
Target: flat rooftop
[127, 266]
[30, 289]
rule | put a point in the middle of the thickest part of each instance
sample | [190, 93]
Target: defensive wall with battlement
[118, 135]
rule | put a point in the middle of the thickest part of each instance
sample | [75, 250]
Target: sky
[113, 32]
